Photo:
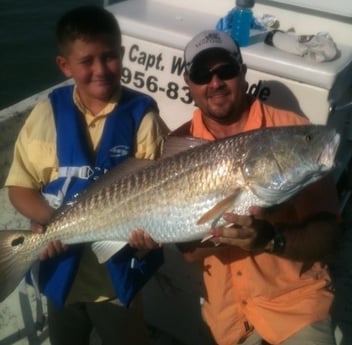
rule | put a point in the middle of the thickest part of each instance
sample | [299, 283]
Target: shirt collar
[110, 106]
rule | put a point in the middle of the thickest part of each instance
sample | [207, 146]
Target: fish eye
[308, 138]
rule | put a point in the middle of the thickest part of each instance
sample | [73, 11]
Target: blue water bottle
[241, 21]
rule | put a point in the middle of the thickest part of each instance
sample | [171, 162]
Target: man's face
[95, 65]
[218, 88]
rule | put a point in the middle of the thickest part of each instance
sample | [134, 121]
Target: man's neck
[228, 127]
[222, 130]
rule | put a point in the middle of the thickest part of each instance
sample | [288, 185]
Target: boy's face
[95, 65]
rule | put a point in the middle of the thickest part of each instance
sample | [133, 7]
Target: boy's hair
[86, 22]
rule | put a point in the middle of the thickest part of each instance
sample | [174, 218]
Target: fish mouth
[327, 156]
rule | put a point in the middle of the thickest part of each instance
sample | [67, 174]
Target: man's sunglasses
[203, 75]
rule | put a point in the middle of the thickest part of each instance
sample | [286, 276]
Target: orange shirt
[264, 291]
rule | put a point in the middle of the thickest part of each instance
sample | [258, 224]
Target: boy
[82, 127]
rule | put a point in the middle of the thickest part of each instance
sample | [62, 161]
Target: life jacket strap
[84, 172]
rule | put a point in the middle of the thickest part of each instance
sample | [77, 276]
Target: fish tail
[15, 259]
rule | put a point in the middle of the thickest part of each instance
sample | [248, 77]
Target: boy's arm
[34, 161]
[31, 204]
[150, 136]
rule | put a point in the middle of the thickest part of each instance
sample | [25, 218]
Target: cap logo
[210, 38]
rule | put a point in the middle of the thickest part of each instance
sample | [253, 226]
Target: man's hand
[247, 232]
[53, 249]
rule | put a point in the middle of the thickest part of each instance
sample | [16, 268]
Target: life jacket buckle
[85, 172]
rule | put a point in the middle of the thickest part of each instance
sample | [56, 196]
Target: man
[266, 282]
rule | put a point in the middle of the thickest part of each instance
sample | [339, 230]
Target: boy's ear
[63, 66]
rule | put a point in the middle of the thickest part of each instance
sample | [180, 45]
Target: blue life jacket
[77, 170]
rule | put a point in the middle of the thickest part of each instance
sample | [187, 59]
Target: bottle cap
[245, 3]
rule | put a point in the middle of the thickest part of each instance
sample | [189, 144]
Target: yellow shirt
[35, 164]
[265, 291]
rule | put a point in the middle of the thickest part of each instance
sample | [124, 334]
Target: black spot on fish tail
[15, 259]
[17, 241]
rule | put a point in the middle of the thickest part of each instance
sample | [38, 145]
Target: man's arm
[308, 224]
[314, 241]
[316, 235]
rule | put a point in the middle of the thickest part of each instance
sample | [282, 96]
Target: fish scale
[180, 197]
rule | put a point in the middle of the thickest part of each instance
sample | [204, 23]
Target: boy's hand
[141, 240]
[53, 249]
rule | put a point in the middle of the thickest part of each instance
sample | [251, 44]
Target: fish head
[284, 160]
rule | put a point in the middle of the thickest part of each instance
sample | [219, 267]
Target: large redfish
[180, 197]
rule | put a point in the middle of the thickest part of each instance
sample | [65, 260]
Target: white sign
[158, 71]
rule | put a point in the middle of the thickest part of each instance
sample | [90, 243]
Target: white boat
[154, 35]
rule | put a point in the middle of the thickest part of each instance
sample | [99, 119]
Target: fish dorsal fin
[219, 209]
[130, 165]
[174, 145]
[104, 250]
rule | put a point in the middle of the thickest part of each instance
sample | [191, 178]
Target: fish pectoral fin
[209, 237]
[219, 209]
[104, 250]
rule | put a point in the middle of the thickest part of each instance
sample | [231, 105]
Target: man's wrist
[278, 243]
